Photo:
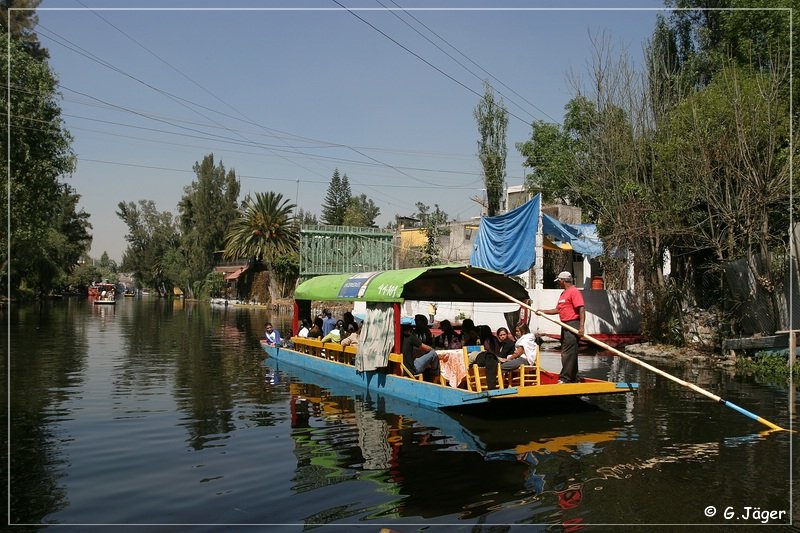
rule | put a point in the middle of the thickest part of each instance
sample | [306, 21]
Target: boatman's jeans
[569, 353]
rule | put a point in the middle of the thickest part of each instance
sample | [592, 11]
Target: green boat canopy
[442, 283]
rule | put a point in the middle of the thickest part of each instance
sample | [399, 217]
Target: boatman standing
[570, 310]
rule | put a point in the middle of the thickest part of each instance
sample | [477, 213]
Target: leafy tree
[688, 155]
[265, 231]
[492, 119]
[107, 263]
[211, 287]
[549, 154]
[336, 200]
[361, 212]
[728, 145]
[706, 40]
[106, 269]
[306, 218]
[151, 234]
[57, 254]
[20, 23]
[434, 223]
[40, 154]
[79, 279]
[206, 209]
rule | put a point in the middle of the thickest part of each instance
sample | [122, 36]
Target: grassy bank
[771, 367]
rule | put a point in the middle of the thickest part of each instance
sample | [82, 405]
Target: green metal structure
[344, 250]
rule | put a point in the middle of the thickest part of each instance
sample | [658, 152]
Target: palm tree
[264, 231]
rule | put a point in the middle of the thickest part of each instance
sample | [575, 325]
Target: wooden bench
[526, 375]
[350, 354]
[402, 369]
[309, 346]
[476, 375]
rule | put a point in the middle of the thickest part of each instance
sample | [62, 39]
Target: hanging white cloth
[376, 339]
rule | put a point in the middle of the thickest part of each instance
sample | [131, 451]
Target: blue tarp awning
[507, 243]
[582, 237]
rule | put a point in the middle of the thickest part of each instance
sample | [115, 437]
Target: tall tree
[728, 145]
[434, 223]
[206, 209]
[336, 200]
[265, 231]
[41, 154]
[550, 156]
[707, 39]
[59, 251]
[20, 22]
[152, 237]
[492, 119]
[361, 212]
[306, 218]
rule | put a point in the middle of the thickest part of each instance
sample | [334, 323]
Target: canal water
[163, 413]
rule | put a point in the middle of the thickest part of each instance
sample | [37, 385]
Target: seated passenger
[422, 329]
[488, 357]
[349, 320]
[413, 344]
[303, 332]
[334, 335]
[449, 338]
[328, 322]
[524, 350]
[469, 333]
[315, 332]
[272, 335]
[352, 338]
[506, 342]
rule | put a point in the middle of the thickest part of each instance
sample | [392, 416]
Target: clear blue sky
[285, 97]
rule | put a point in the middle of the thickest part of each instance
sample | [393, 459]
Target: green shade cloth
[438, 283]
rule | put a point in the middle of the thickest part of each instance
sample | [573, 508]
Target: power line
[462, 65]
[180, 100]
[266, 178]
[408, 13]
[437, 69]
[94, 102]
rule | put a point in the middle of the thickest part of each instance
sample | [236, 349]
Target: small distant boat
[103, 294]
[129, 293]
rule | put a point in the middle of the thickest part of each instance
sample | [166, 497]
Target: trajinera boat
[377, 362]
[103, 294]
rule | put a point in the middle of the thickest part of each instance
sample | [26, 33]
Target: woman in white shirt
[303, 329]
[524, 350]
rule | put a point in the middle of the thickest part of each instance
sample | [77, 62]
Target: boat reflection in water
[431, 463]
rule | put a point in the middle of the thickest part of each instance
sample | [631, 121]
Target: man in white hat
[570, 311]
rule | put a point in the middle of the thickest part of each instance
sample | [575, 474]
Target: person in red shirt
[570, 311]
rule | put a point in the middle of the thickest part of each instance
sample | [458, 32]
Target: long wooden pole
[633, 360]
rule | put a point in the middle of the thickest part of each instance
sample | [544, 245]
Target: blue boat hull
[412, 391]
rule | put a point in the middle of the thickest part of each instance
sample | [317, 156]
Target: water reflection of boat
[402, 445]
[377, 364]
[512, 431]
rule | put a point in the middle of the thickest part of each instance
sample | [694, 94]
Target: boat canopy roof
[443, 283]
